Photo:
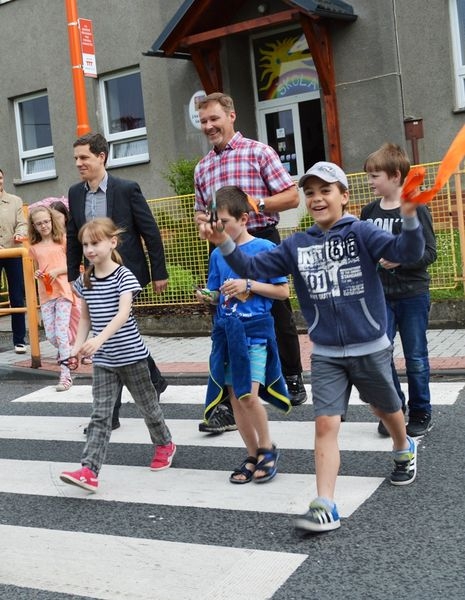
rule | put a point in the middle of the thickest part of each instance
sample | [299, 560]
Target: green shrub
[180, 175]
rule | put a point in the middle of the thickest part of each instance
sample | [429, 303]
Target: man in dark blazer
[99, 194]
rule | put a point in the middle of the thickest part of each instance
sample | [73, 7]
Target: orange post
[76, 68]
[461, 223]
[31, 301]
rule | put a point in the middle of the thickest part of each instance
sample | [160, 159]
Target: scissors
[213, 211]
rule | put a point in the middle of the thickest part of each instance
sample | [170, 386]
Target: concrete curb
[13, 373]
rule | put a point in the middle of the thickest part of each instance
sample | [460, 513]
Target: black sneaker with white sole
[405, 464]
[220, 421]
[419, 424]
[296, 389]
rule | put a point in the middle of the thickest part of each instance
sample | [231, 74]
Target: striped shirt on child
[126, 346]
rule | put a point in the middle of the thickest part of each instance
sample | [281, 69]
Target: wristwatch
[261, 205]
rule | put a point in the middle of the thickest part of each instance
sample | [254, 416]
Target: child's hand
[408, 209]
[206, 296]
[54, 273]
[213, 232]
[90, 346]
[38, 274]
[387, 264]
[236, 288]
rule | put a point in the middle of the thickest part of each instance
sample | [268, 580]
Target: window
[457, 17]
[124, 118]
[34, 137]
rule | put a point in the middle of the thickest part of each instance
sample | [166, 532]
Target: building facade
[310, 78]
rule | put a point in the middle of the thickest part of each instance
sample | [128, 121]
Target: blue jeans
[409, 316]
[14, 275]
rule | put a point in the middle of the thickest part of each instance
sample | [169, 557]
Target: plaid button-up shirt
[252, 166]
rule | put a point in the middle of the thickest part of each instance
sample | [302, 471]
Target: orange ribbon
[253, 203]
[48, 283]
[449, 164]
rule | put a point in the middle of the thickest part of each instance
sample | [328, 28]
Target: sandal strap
[270, 455]
[242, 469]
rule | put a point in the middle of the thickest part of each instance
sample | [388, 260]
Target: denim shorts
[332, 380]
[257, 356]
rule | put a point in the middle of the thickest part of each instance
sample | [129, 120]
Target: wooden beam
[319, 43]
[184, 26]
[242, 27]
[206, 60]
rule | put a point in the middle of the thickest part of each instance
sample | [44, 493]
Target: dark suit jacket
[128, 208]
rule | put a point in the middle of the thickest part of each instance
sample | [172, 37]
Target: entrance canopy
[198, 26]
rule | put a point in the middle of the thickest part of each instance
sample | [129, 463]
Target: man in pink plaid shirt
[255, 168]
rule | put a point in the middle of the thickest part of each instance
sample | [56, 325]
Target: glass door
[279, 127]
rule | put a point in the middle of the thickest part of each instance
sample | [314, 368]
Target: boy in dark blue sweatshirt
[334, 268]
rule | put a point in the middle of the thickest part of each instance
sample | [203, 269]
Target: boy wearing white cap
[333, 264]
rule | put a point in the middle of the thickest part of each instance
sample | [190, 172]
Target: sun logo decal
[286, 68]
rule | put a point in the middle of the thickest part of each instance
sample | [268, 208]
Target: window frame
[458, 50]
[41, 152]
[131, 135]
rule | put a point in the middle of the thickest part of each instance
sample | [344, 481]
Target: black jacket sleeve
[147, 228]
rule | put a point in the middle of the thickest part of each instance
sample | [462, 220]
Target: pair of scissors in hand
[214, 213]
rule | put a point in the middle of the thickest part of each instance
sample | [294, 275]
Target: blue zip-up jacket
[335, 276]
[230, 344]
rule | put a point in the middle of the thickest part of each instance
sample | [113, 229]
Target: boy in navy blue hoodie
[334, 268]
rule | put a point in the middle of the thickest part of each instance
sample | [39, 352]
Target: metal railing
[31, 301]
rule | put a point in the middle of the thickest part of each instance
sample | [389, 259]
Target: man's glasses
[42, 223]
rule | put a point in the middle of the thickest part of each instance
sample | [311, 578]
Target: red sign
[87, 48]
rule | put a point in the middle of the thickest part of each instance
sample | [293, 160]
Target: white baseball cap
[327, 171]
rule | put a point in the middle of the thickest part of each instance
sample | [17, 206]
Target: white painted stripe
[442, 393]
[56, 561]
[287, 494]
[286, 434]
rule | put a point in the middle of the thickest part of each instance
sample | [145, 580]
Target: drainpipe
[76, 68]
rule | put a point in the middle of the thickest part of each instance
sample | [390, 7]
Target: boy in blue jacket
[334, 268]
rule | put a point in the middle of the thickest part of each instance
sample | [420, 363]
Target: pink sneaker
[163, 457]
[84, 478]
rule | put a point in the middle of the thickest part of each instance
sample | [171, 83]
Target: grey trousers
[107, 383]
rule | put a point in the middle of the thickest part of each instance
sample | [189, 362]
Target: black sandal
[243, 470]
[268, 463]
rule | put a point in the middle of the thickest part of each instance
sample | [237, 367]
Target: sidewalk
[187, 357]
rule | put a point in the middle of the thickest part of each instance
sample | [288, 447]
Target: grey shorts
[332, 380]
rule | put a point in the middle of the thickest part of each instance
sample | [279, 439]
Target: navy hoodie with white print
[335, 278]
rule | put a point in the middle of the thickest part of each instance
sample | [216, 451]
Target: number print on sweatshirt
[332, 269]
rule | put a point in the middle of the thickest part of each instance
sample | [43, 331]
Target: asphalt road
[402, 543]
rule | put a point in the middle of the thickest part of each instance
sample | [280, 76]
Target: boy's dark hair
[390, 158]
[225, 101]
[234, 200]
[97, 143]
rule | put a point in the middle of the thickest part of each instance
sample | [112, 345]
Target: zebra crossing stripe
[444, 393]
[104, 566]
[288, 494]
[286, 434]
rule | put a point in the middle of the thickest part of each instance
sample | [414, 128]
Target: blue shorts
[257, 356]
[332, 380]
